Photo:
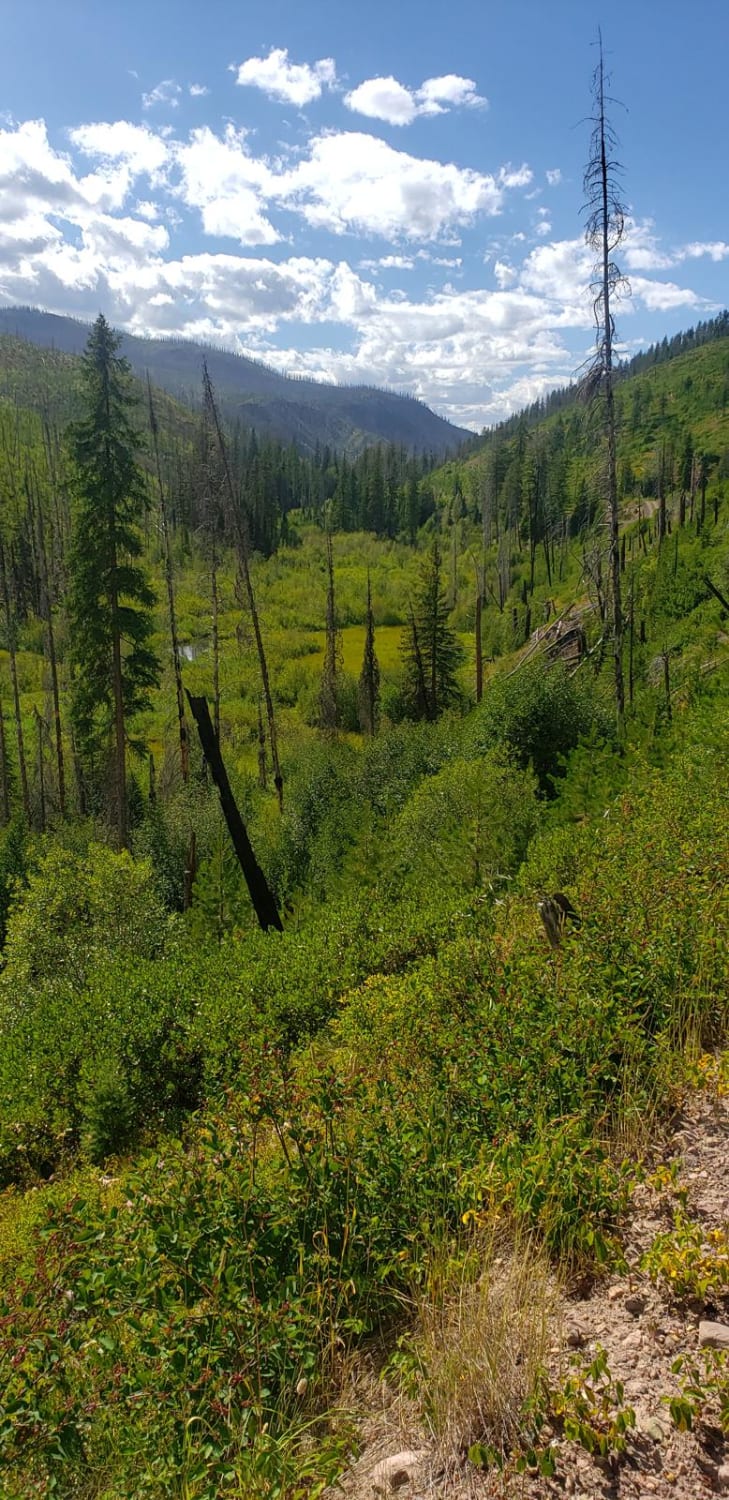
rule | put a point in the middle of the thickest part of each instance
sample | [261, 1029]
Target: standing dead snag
[170, 583]
[603, 233]
[261, 895]
[241, 547]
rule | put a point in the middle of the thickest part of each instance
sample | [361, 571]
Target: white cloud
[198, 90]
[388, 263]
[133, 146]
[554, 176]
[515, 177]
[664, 296]
[293, 83]
[166, 92]
[73, 242]
[385, 98]
[505, 274]
[449, 91]
[221, 179]
[716, 250]
[355, 182]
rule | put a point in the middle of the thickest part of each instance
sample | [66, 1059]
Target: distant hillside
[305, 412]
[672, 409]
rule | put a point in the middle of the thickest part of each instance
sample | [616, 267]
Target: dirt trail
[642, 1332]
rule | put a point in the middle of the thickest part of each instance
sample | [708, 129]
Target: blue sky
[387, 192]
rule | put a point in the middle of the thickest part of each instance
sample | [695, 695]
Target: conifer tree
[431, 650]
[369, 681]
[109, 598]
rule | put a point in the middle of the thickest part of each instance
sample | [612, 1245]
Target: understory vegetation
[232, 1159]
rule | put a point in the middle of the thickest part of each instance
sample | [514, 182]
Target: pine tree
[369, 681]
[109, 598]
[431, 650]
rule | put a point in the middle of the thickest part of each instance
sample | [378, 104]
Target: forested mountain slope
[305, 412]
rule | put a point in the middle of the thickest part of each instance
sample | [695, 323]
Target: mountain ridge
[299, 410]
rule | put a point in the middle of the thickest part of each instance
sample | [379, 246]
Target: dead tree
[170, 584]
[10, 631]
[264, 901]
[603, 232]
[328, 704]
[241, 547]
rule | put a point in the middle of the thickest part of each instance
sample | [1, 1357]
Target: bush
[540, 714]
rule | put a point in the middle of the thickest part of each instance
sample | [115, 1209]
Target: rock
[653, 1428]
[393, 1472]
[635, 1305]
[614, 1292]
[575, 1338]
[722, 1475]
[713, 1335]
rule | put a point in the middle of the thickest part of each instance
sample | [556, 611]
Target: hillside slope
[305, 412]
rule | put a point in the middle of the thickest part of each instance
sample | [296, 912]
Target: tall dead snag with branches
[170, 583]
[604, 232]
[238, 527]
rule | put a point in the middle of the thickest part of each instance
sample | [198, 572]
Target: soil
[642, 1331]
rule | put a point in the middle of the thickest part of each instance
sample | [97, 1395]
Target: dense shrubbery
[483, 1079]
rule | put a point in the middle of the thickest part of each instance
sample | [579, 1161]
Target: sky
[388, 192]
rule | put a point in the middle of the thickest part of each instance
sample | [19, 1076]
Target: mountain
[308, 413]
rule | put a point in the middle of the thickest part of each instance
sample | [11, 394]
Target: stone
[575, 1338]
[653, 1428]
[635, 1305]
[713, 1335]
[392, 1473]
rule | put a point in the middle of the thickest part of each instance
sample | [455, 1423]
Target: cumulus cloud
[389, 100]
[220, 178]
[293, 83]
[352, 181]
[716, 250]
[198, 90]
[167, 92]
[554, 176]
[133, 146]
[73, 241]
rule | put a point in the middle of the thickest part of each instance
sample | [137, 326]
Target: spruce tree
[431, 650]
[369, 681]
[109, 598]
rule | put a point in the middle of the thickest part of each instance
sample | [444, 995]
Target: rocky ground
[641, 1328]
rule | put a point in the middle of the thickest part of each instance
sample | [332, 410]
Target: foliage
[689, 1260]
[541, 716]
[704, 1389]
[431, 650]
[467, 826]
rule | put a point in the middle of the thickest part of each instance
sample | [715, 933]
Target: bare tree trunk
[170, 583]
[261, 895]
[10, 632]
[215, 608]
[41, 772]
[52, 659]
[4, 771]
[262, 776]
[604, 231]
[120, 746]
[241, 544]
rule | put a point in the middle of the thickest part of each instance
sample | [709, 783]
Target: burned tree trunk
[261, 895]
